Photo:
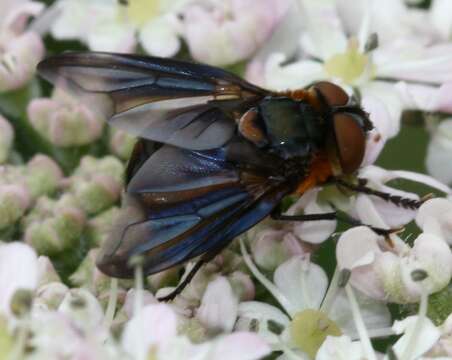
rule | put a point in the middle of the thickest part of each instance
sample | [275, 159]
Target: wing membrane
[131, 91]
[180, 204]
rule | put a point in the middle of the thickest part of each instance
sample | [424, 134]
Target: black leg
[395, 199]
[330, 216]
[184, 283]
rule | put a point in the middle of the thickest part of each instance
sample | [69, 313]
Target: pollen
[139, 12]
[348, 66]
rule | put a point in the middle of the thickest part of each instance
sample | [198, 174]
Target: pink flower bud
[242, 285]
[121, 143]
[54, 226]
[14, 201]
[42, 176]
[64, 121]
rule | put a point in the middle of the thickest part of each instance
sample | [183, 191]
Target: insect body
[215, 154]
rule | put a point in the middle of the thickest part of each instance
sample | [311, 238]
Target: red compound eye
[350, 140]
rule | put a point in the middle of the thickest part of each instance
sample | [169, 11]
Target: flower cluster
[337, 288]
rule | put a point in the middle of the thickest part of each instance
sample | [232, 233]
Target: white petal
[302, 282]
[18, 270]
[440, 17]
[340, 348]
[439, 153]
[159, 38]
[388, 95]
[259, 310]
[357, 250]
[292, 76]
[376, 139]
[431, 254]
[114, 37]
[427, 337]
[325, 36]
[315, 232]
[154, 325]
[434, 216]
[375, 313]
[218, 310]
[239, 346]
[263, 313]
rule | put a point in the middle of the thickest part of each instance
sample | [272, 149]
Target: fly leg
[276, 215]
[186, 280]
[361, 187]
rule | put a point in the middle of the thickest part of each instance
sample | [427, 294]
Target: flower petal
[159, 38]
[239, 346]
[142, 331]
[302, 282]
[218, 310]
[18, 270]
[427, 337]
[356, 250]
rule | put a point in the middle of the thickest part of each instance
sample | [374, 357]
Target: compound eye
[333, 94]
[351, 142]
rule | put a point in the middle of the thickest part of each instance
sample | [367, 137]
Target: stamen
[137, 262]
[18, 350]
[304, 289]
[359, 323]
[112, 300]
[417, 275]
[278, 295]
[331, 293]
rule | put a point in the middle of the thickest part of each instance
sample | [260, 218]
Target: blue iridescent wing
[179, 103]
[180, 204]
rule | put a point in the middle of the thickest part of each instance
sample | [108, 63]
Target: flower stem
[17, 352]
[414, 335]
[285, 303]
[138, 306]
[112, 300]
[359, 323]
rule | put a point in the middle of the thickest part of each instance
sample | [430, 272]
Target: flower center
[348, 66]
[309, 329]
[139, 12]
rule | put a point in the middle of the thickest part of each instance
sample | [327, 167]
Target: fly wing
[180, 103]
[180, 204]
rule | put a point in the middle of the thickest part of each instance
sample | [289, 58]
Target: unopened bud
[14, 201]
[121, 143]
[54, 226]
[42, 176]
[64, 121]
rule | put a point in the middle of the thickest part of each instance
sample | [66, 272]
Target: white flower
[301, 289]
[328, 53]
[20, 48]
[109, 25]
[383, 271]
[228, 31]
[154, 333]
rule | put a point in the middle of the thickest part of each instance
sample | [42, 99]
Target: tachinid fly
[215, 155]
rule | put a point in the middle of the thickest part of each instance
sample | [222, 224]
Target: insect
[215, 154]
